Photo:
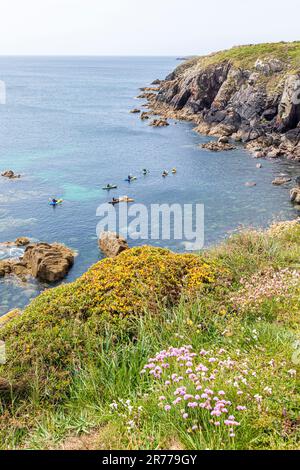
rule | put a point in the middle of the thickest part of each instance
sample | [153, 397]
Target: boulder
[223, 140]
[22, 241]
[295, 195]
[259, 154]
[218, 146]
[269, 66]
[49, 263]
[10, 175]
[159, 123]
[112, 244]
[135, 111]
[281, 180]
[145, 115]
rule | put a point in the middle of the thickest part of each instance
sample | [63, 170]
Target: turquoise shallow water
[67, 129]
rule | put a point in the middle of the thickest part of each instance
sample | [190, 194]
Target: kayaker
[54, 201]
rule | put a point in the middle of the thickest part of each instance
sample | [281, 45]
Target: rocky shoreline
[255, 103]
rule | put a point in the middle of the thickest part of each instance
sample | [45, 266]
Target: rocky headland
[248, 94]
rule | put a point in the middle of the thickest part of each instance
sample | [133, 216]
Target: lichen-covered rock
[112, 244]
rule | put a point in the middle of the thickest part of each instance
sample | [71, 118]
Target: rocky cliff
[249, 93]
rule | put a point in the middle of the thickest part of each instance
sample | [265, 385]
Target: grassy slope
[257, 331]
[246, 56]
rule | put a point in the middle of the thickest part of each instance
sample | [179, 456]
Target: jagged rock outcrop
[112, 244]
[249, 93]
[48, 263]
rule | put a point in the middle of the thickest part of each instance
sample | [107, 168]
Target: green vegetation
[76, 354]
[246, 56]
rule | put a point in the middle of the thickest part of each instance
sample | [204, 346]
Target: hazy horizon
[129, 28]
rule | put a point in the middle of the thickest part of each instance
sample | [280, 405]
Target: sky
[139, 27]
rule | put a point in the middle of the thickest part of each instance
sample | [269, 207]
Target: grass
[260, 338]
[246, 56]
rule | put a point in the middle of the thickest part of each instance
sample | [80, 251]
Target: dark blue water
[66, 128]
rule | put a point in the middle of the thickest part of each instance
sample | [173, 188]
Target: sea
[66, 128]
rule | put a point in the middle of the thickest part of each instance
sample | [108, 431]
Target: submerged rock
[135, 111]
[281, 180]
[112, 244]
[10, 175]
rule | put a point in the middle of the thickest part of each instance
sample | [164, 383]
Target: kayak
[59, 201]
[108, 187]
[133, 178]
[122, 199]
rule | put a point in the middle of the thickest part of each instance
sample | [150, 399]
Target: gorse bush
[76, 355]
[59, 329]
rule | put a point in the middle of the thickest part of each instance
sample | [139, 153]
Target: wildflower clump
[263, 285]
[205, 390]
[51, 337]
